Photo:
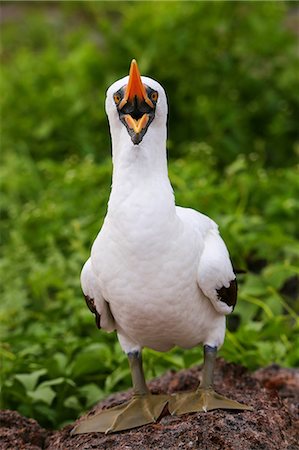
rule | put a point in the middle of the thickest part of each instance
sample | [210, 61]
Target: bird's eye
[116, 98]
[154, 96]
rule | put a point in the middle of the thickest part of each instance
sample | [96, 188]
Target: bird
[159, 275]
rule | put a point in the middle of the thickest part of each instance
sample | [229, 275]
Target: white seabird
[158, 274]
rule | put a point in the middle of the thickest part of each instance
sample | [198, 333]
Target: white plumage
[158, 274]
[155, 268]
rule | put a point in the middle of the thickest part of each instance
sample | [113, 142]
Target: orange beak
[135, 87]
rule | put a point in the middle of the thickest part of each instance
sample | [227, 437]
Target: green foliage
[230, 70]
[232, 65]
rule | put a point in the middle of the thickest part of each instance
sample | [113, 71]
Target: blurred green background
[230, 70]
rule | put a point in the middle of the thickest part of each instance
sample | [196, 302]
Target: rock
[18, 433]
[274, 423]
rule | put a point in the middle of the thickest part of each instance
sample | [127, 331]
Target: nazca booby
[158, 274]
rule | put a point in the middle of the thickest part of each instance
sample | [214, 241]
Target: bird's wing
[215, 275]
[94, 298]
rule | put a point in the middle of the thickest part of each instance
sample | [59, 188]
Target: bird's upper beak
[135, 88]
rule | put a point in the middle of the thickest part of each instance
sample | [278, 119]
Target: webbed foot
[203, 399]
[142, 409]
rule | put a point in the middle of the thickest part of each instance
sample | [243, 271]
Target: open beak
[136, 110]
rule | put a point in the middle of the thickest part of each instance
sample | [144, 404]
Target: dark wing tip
[92, 308]
[229, 295]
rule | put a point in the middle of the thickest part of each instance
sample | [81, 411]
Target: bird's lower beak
[137, 125]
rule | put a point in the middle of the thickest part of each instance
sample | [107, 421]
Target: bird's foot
[140, 410]
[203, 399]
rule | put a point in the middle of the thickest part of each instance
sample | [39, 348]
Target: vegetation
[231, 73]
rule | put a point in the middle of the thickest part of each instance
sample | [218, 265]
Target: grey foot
[140, 410]
[201, 400]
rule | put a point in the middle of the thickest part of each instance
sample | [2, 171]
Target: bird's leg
[143, 408]
[138, 379]
[204, 398]
[208, 367]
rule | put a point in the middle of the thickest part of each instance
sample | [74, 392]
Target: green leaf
[92, 394]
[276, 274]
[30, 380]
[119, 374]
[91, 359]
[53, 382]
[44, 394]
[73, 403]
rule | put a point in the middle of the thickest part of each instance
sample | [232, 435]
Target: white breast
[147, 265]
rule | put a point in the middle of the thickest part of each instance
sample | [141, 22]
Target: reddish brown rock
[20, 433]
[274, 423]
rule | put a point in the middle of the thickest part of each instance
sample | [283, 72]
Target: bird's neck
[140, 183]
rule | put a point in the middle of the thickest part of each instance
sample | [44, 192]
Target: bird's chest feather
[144, 257]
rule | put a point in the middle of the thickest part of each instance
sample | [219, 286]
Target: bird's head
[136, 104]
